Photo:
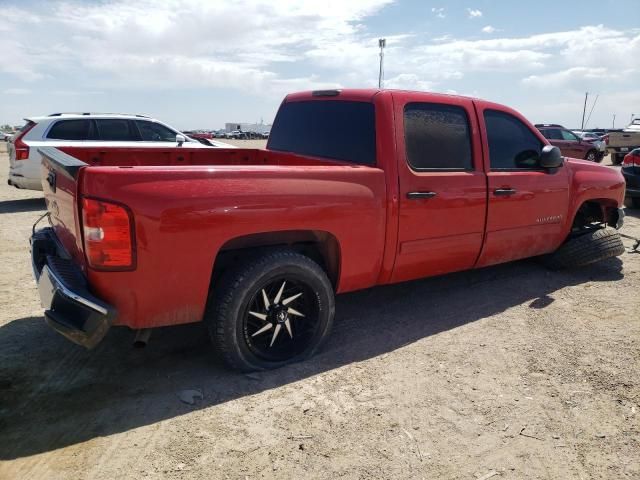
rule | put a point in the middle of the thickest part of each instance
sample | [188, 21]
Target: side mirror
[551, 157]
[180, 139]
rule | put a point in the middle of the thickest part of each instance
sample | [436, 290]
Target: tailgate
[60, 175]
[624, 139]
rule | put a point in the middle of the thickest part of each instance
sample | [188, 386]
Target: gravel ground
[507, 372]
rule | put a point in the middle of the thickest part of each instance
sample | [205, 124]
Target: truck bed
[127, 157]
[186, 208]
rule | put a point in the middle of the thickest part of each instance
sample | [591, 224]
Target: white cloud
[270, 47]
[474, 13]
[16, 91]
[571, 76]
[191, 43]
[408, 81]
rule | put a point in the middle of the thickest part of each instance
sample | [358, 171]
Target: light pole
[382, 42]
[613, 125]
[584, 110]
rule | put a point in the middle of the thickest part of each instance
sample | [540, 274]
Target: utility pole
[591, 111]
[613, 125]
[584, 110]
[382, 42]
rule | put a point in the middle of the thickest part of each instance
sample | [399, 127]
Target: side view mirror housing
[180, 139]
[551, 157]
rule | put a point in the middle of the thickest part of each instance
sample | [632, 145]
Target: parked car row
[584, 145]
[90, 130]
[234, 134]
[240, 135]
[620, 141]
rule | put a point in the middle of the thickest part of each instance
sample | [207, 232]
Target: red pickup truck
[356, 188]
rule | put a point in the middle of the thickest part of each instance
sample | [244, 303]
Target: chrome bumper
[70, 309]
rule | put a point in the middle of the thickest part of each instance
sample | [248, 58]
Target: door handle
[501, 192]
[420, 195]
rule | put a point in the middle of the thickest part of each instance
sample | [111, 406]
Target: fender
[589, 181]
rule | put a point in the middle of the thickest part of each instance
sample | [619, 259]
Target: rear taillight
[108, 235]
[606, 139]
[21, 148]
[631, 160]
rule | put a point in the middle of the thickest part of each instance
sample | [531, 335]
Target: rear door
[575, 147]
[527, 204]
[555, 137]
[442, 185]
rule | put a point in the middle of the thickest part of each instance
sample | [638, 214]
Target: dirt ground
[507, 372]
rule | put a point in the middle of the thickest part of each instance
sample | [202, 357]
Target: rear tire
[616, 159]
[270, 311]
[588, 248]
[632, 202]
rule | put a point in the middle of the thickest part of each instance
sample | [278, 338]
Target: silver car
[594, 139]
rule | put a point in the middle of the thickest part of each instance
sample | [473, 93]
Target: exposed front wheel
[271, 311]
[591, 156]
[590, 247]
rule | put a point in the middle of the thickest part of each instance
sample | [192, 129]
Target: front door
[442, 185]
[527, 204]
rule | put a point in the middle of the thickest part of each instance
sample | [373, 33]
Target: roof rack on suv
[538, 125]
[59, 114]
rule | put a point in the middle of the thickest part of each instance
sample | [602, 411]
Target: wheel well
[599, 211]
[321, 247]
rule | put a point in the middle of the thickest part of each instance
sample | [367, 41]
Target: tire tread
[586, 249]
[221, 301]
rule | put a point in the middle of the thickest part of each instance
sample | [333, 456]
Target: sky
[201, 63]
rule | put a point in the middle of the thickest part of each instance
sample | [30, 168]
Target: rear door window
[333, 129]
[552, 133]
[567, 135]
[116, 130]
[155, 132]
[70, 130]
[437, 137]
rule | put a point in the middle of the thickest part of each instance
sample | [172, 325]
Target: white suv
[90, 130]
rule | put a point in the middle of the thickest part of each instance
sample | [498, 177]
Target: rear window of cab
[334, 129]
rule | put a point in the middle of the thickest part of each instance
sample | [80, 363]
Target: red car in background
[197, 135]
[570, 144]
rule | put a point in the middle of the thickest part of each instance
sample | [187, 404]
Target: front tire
[588, 248]
[591, 156]
[270, 311]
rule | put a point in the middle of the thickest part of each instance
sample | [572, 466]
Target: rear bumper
[70, 309]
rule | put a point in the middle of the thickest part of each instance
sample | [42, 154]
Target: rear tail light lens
[631, 160]
[108, 235]
[21, 148]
